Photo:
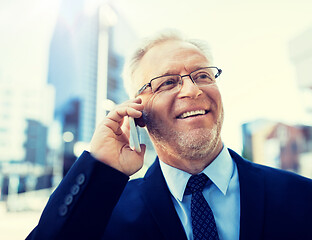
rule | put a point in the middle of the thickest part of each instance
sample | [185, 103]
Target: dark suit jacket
[95, 201]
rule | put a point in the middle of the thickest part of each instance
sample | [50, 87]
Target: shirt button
[68, 199]
[63, 210]
[80, 179]
[75, 189]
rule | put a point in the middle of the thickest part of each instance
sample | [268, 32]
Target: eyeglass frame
[146, 85]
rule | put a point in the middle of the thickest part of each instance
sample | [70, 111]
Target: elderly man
[196, 188]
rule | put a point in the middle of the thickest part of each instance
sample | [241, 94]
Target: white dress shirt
[222, 196]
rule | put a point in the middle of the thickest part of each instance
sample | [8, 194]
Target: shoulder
[275, 178]
[136, 192]
[133, 184]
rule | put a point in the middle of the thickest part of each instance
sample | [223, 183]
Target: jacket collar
[157, 197]
[252, 194]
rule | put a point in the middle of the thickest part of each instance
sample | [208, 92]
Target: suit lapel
[252, 195]
[157, 197]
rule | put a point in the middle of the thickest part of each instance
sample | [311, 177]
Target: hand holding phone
[134, 136]
[109, 139]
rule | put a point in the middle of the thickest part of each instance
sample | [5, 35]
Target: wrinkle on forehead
[170, 57]
[188, 68]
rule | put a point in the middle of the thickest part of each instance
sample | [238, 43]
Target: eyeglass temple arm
[218, 73]
[143, 88]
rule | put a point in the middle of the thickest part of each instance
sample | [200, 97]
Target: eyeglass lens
[199, 77]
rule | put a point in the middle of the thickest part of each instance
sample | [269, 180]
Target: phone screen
[134, 136]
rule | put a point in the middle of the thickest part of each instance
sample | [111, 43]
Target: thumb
[132, 161]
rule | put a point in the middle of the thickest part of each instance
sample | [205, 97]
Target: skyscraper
[73, 64]
[85, 66]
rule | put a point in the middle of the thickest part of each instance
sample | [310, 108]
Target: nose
[189, 88]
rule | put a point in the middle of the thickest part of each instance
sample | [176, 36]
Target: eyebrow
[169, 72]
[193, 68]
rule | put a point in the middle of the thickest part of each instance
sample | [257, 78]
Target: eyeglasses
[200, 77]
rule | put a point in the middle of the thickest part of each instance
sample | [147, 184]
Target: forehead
[169, 57]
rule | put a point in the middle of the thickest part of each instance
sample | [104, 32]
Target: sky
[249, 41]
[26, 28]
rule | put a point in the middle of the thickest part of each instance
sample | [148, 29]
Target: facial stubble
[192, 144]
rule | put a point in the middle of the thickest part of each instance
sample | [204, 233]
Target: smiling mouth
[192, 114]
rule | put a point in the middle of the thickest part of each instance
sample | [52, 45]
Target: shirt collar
[219, 171]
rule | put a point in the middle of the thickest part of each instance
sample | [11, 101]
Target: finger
[119, 127]
[131, 109]
[119, 115]
[113, 125]
[121, 110]
[136, 100]
[125, 128]
[143, 149]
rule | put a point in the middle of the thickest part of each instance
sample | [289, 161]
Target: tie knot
[196, 183]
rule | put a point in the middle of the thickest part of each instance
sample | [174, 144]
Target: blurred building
[36, 144]
[278, 145]
[87, 55]
[300, 49]
[17, 104]
[26, 114]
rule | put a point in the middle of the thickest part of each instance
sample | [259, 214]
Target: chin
[198, 143]
[192, 145]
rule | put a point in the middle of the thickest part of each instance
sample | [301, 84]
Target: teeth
[192, 113]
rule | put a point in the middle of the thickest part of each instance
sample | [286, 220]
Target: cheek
[148, 111]
[158, 106]
[215, 96]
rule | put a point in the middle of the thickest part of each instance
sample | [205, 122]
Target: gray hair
[166, 35]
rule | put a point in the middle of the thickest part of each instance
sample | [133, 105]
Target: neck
[190, 165]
